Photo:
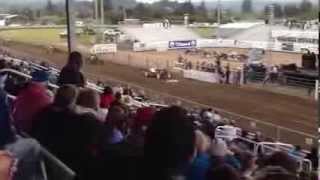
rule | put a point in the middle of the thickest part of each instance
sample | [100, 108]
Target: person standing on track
[268, 74]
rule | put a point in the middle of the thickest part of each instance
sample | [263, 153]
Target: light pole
[270, 19]
[219, 12]
[102, 12]
[218, 18]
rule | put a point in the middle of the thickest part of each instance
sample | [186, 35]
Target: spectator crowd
[101, 136]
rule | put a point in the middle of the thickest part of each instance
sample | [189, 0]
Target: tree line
[173, 10]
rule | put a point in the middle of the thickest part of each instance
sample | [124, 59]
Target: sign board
[287, 47]
[103, 48]
[182, 44]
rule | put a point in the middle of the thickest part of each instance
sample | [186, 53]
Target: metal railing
[265, 148]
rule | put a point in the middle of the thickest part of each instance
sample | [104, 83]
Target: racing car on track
[158, 73]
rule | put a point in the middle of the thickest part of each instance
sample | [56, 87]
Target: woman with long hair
[71, 72]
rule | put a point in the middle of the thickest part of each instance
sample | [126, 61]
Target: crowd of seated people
[99, 136]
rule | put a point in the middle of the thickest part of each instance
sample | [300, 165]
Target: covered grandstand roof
[240, 25]
[296, 34]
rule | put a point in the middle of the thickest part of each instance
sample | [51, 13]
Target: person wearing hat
[31, 100]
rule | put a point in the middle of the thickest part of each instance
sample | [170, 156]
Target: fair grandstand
[20, 71]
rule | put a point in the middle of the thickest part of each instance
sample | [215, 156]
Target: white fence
[201, 76]
[316, 90]
[225, 43]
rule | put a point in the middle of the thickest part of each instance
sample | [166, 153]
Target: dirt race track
[283, 110]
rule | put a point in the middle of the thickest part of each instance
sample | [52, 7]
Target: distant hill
[33, 4]
[257, 5]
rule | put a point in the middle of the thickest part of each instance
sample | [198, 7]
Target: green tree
[49, 7]
[28, 13]
[278, 11]
[185, 7]
[141, 10]
[107, 5]
[202, 12]
[291, 10]
[305, 6]
[247, 6]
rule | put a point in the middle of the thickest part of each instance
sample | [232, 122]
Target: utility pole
[219, 12]
[102, 12]
[71, 29]
[124, 12]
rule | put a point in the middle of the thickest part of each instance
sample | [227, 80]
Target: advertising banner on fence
[182, 44]
[103, 48]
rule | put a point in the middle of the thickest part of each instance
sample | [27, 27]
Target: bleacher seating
[55, 169]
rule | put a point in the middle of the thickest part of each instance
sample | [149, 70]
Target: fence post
[129, 59]
[278, 133]
[316, 91]
[147, 62]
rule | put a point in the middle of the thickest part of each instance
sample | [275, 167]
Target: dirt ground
[290, 112]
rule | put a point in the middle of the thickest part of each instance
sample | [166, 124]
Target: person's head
[282, 159]
[116, 117]
[66, 96]
[88, 98]
[297, 147]
[40, 76]
[314, 150]
[126, 91]
[3, 64]
[118, 96]
[44, 64]
[75, 61]
[170, 140]
[223, 172]
[108, 90]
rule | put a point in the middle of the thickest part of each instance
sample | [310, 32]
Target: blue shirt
[199, 167]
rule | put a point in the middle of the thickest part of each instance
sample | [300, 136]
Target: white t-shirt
[217, 117]
[274, 69]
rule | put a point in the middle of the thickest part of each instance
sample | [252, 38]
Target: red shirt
[29, 102]
[106, 100]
